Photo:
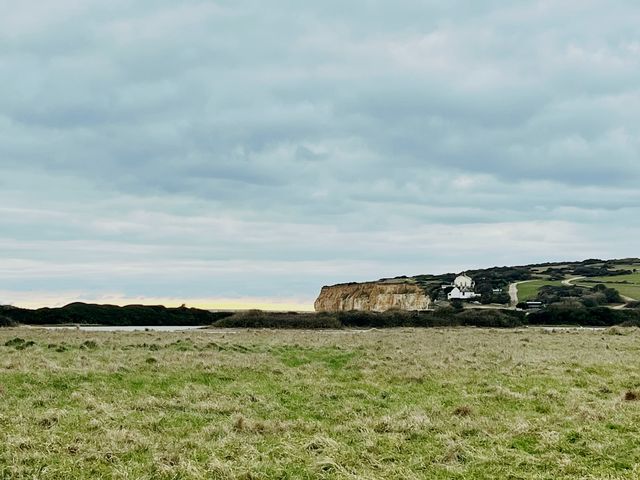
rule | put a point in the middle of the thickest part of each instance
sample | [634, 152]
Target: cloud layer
[238, 149]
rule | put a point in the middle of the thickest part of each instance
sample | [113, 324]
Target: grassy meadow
[529, 290]
[627, 285]
[378, 404]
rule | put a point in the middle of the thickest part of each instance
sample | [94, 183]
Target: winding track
[569, 282]
[513, 291]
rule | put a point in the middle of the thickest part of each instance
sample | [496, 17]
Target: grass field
[628, 266]
[630, 289]
[529, 290]
[379, 404]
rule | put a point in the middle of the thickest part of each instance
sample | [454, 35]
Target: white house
[456, 293]
[464, 282]
[463, 288]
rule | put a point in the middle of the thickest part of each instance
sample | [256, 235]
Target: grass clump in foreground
[402, 403]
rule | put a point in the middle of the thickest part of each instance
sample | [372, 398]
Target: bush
[612, 295]
[594, 300]
[502, 298]
[443, 317]
[457, 304]
[589, 297]
[570, 313]
[260, 319]
[391, 318]
[19, 343]
[491, 318]
[6, 321]
[595, 271]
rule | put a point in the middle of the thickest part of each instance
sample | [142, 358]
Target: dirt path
[513, 291]
[569, 282]
[626, 300]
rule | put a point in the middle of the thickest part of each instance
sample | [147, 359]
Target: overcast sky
[250, 152]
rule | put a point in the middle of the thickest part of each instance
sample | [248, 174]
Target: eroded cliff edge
[372, 297]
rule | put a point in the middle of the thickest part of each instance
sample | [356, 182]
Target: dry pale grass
[404, 403]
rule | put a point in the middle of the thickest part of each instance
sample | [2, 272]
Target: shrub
[491, 318]
[19, 343]
[502, 298]
[6, 321]
[457, 304]
[590, 297]
[594, 300]
[260, 319]
[443, 317]
[570, 313]
[14, 342]
[612, 295]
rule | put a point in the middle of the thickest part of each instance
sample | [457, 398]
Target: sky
[245, 153]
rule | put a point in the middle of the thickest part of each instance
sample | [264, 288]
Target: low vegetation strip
[587, 313]
[585, 317]
[564, 313]
[402, 403]
[91, 314]
[444, 317]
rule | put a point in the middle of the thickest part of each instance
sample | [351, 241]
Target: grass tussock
[336, 404]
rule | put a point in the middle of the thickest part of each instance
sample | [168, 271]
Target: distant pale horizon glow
[42, 300]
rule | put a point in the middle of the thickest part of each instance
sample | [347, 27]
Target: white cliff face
[372, 297]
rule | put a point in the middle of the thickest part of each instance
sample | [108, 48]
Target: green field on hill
[628, 285]
[529, 290]
[348, 404]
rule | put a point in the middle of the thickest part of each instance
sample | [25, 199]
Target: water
[564, 327]
[173, 328]
[110, 328]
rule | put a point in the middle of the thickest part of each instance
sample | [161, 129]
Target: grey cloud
[329, 131]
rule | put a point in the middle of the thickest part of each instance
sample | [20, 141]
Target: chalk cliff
[373, 297]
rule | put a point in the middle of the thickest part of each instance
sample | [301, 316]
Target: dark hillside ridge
[6, 321]
[595, 301]
[112, 315]
[499, 277]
